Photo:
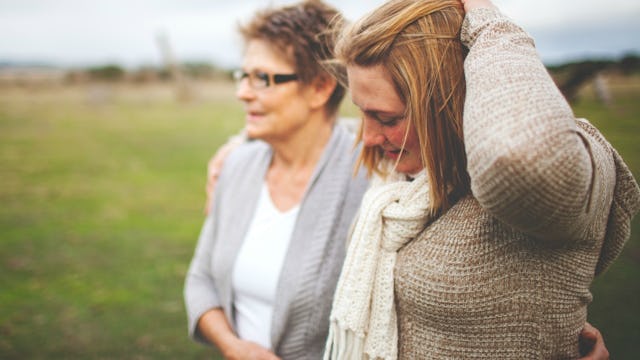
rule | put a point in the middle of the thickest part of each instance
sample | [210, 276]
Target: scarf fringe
[343, 344]
[363, 323]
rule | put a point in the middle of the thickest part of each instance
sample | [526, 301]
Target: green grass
[101, 207]
[101, 195]
[615, 309]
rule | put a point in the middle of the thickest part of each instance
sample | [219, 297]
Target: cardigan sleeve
[529, 164]
[200, 293]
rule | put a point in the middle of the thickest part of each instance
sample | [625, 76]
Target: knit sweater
[505, 272]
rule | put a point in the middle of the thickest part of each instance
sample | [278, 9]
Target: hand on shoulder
[215, 164]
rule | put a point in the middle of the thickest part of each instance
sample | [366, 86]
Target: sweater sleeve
[200, 293]
[529, 165]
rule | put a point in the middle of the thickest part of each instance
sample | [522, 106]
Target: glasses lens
[257, 80]
[238, 75]
[260, 80]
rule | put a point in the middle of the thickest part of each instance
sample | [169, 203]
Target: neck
[303, 148]
[294, 161]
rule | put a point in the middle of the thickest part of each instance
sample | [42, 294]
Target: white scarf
[363, 318]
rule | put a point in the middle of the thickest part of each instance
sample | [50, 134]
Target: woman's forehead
[372, 89]
[260, 53]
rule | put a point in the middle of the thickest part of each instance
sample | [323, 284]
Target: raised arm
[529, 164]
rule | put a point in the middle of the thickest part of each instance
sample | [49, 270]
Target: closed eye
[261, 76]
[384, 119]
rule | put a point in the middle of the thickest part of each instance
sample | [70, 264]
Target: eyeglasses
[260, 80]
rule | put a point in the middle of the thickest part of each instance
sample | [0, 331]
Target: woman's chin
[408, 168]
[254, 132]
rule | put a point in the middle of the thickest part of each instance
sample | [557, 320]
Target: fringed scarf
[363, 318]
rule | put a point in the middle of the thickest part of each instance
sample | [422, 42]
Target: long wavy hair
[418, 43]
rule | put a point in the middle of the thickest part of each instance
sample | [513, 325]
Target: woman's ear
[322, 88]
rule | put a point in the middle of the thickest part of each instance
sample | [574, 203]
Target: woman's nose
[371, 134]
[244, 91]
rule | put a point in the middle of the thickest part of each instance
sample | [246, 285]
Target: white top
[257, 269]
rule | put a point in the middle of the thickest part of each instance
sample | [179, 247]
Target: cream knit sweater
[505, 273]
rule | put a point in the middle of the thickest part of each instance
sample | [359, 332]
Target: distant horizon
[71, 65]
[79, 34]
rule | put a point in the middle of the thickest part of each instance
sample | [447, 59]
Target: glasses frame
[262, 80]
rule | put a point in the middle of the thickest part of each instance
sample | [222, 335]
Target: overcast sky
[87, 32]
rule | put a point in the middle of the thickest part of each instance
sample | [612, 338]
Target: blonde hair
[417, 42]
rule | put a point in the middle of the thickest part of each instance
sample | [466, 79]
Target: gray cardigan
[313, 261]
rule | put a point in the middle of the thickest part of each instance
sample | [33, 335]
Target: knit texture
[363, 317]
[505, 273]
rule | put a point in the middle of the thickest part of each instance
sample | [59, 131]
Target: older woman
[263, 274]
[491, 208]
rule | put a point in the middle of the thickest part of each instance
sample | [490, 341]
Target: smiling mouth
[393, 154]
[254, 116]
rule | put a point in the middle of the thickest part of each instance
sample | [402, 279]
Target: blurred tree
[630, 64]
[570, 77]
[109, 72]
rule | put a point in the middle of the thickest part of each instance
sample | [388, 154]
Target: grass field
[101, 195]
[615, 309]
